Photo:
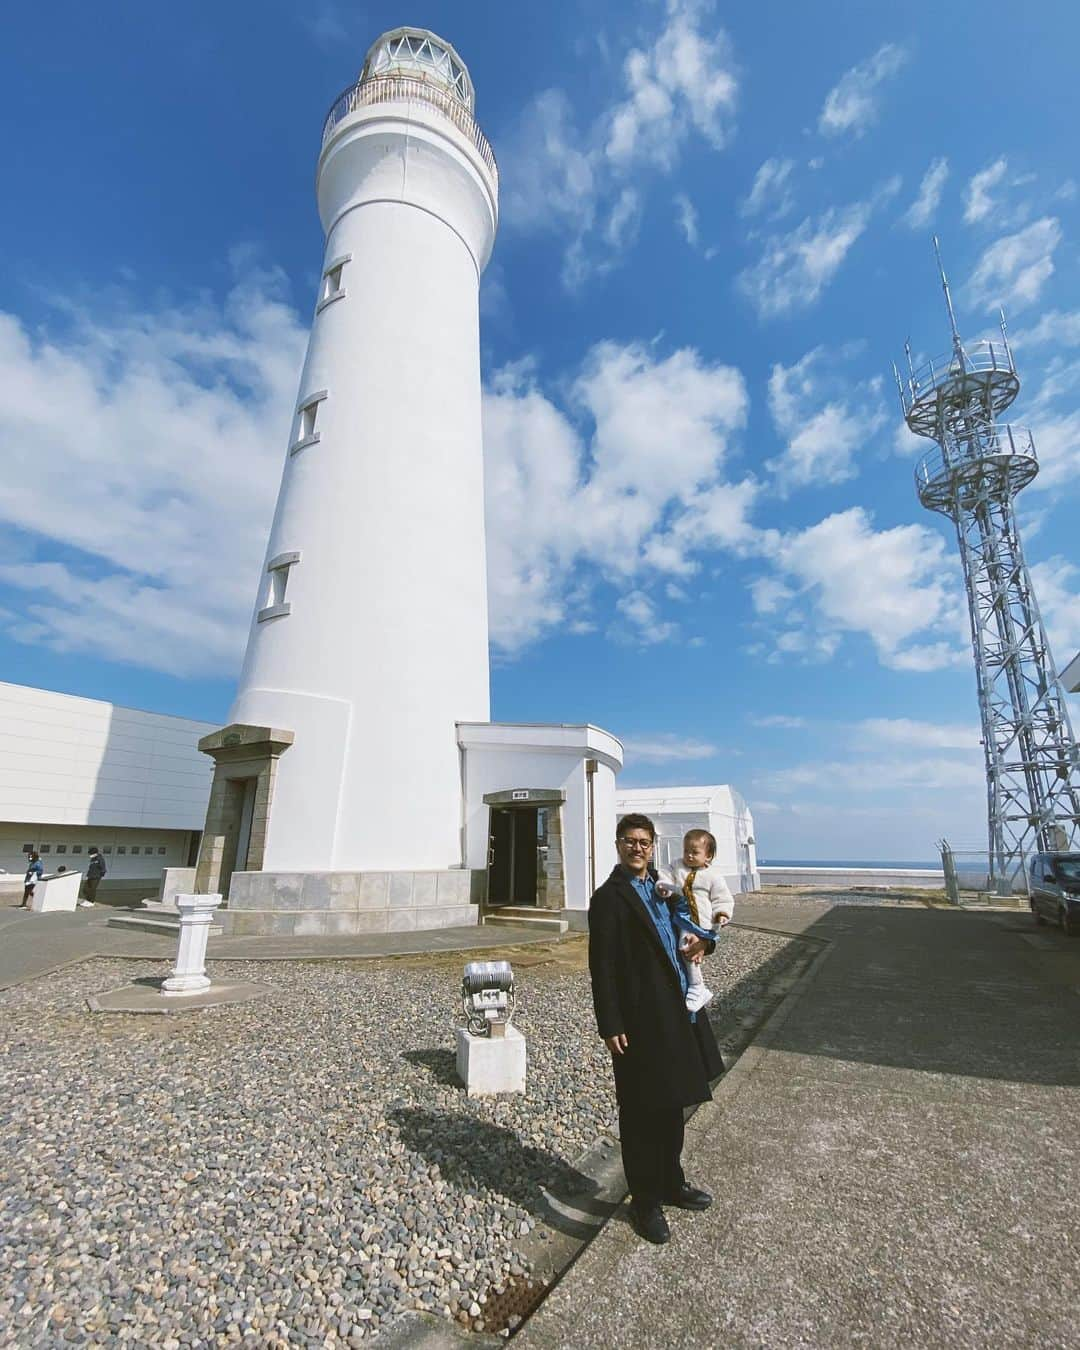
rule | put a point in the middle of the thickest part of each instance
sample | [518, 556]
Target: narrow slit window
[307, 422]
[333, 281]
[276, 606]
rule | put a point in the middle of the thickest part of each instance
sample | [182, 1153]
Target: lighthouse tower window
[333, 287]
[307, 416]
[277, 583]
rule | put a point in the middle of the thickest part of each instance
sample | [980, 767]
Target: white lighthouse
[340, 784]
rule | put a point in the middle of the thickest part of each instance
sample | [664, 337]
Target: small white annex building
[76, 772]
[719, 809]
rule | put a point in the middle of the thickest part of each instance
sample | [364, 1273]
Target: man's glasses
[637, 845]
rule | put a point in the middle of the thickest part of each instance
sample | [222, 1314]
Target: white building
[76, 772]
[369, 638]
[360, 785]
[720, 810]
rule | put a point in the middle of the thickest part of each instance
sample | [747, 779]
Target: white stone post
[189, 974]
[488, 1065]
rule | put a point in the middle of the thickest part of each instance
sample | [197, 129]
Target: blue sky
[715, 238]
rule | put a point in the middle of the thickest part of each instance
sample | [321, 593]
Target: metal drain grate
[517, 1300]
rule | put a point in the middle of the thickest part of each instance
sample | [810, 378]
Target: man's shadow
[476, 1155]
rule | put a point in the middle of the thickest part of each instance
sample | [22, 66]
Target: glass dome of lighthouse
[416, 53]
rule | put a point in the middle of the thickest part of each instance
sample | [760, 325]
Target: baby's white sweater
[711, 891]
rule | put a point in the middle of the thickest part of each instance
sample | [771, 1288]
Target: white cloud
[907, 444]
[979, 202]
[548, 179]
[622, 225]
[1014, 269]
[687, 219]
[867, 777]
[1057, 586]
[684, 81]
[795, 268]
[851, 105]
[641, 621]
[1060, 327]
[643, 493]
[665, 748]
[846, 577]
[587, 184]
[921, 211]
[769, 595]
[716, 518]
[158, 440]
[1057, 444]
[779, 720]
[771, 194]
[824, 420]
[1052, 412]
[910, 733]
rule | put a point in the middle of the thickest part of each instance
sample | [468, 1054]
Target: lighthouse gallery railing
[394, 89]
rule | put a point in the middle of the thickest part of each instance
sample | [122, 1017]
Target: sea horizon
[874, 864]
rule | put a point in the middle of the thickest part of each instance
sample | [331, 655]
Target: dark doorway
[513, 862]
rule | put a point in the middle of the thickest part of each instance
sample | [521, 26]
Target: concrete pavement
[894, 1159]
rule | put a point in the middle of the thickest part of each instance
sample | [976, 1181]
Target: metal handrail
[1003, 441]
[398, 88]
[978, 357]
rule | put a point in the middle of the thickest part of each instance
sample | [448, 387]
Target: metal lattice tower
[972, 476]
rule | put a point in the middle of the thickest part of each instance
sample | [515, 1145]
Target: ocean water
[876, 864]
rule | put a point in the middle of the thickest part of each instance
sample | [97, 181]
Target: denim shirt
[661, 917]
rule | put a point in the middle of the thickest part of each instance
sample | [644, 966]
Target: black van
[1054, 889]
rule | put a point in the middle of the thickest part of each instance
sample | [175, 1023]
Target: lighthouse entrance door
[512, 860]
[525, 850]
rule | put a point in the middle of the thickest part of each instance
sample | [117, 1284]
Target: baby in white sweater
[704, 897]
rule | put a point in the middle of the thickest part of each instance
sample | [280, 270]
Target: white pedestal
[56, 893]
[189, 974]
[490, 1064]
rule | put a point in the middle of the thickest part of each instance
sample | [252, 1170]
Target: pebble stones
[302, 1170]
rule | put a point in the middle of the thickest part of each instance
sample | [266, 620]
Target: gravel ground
[297, 1170]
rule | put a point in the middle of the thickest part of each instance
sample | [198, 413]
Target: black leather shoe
[689, 1197]
[650, 1224]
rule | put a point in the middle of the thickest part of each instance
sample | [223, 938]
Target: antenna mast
[976, 468]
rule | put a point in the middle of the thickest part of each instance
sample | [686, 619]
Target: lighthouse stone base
[336, 904]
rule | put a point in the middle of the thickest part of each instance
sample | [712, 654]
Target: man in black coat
[663, 1056]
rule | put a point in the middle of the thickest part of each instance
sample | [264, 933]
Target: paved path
[33, 944]
[894, 1160]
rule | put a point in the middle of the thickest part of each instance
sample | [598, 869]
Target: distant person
[95, 870]
[663, 1056]
[705, 898]
[34, 871]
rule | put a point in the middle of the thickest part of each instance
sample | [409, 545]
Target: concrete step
[162, 924]
[509, 916]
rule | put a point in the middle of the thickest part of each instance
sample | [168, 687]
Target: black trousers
[652, 1143]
